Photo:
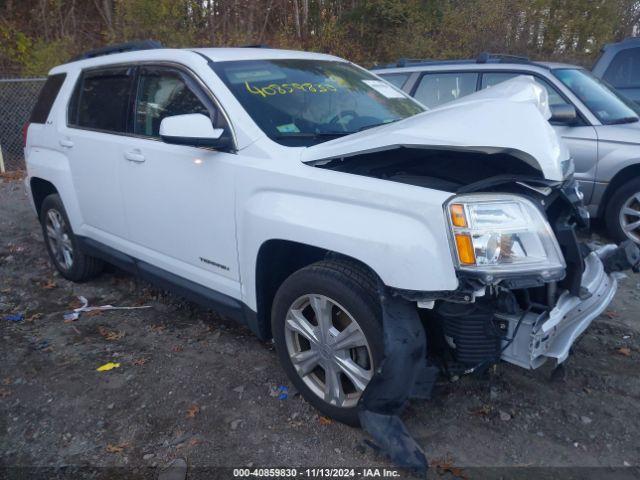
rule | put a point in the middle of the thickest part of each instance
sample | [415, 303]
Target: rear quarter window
[102, 99]
[47, 96]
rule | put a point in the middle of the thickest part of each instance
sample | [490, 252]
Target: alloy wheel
[59, 239]
[630, 217]
[328, 349]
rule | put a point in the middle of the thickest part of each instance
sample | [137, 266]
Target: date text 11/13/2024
[316, 472]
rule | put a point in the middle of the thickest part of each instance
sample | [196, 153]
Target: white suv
[323, 208]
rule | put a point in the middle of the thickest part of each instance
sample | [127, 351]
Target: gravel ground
[192, 385]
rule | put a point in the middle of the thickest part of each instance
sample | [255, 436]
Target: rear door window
[164, 92]
[624, 70]
[47, 96]
[493, 78]
[102, 100]
[396, 79]
[436, 89]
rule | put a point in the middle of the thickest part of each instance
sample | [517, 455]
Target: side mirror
[194, 129]
[563, 114]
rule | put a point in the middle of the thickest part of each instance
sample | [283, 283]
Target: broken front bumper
[551, 334]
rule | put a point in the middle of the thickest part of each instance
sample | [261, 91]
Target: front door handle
[66, 143]
[134, 156]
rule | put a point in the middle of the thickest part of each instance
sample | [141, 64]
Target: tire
[616, 203]
[81, 267]
[350, 292]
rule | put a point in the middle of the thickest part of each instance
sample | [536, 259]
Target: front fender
[614, 157]
[407, 250]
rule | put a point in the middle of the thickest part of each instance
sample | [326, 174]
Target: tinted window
[163, 93]
[304, 102]
[46, 98]
[397, 79]
[437, 88]
[491, 79]
[101, 101]
[624, 70]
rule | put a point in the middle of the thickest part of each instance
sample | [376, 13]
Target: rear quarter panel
[45, 158]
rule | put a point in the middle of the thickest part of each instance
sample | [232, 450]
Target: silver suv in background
[600, 126]
[619, 65]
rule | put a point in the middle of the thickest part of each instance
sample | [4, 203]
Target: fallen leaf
[626, 351]
[195, 441]
[4, 392]
[192, 411]
[75, 303]
[111, 448]
[325, 420]
[482, 411]
[177, 348]
[35, 316]
[6, 381]
[110, 335]
[48, 285]
[93, 313]
[138, 362]
[445, 465]
[611, 314]
[157, 328]
[108, 366]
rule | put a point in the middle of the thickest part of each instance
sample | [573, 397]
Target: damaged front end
[527, 285]
[525, 314]
[512, 304]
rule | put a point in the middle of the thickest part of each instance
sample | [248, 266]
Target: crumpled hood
[508, 118]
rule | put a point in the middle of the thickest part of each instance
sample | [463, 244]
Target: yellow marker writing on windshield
[287, 88]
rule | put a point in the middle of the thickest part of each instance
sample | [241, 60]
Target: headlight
[498, 234]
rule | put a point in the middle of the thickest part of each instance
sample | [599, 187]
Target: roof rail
[405, 62]
[486, 57]
[255, 45]
[119, 48]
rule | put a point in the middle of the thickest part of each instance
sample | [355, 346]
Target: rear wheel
[622, 214]
[62, 244]
[328, 335]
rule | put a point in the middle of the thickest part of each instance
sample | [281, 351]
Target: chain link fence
[17, 98]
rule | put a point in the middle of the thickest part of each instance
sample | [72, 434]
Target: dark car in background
[619, 65]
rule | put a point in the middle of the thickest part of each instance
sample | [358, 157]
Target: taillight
[25, 130]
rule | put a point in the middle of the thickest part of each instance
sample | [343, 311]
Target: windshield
[304, 102]
[608, 105]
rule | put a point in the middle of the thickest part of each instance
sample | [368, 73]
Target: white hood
[510, 117]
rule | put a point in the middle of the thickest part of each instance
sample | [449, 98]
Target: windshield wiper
[366, 127]
[620, 121]
[312, 135]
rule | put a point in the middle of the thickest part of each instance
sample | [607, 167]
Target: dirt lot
[191, 385]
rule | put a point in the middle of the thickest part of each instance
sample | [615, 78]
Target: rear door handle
[66, 143]
[134, 156]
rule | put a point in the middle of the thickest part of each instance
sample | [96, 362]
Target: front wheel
[622, 214]
[326, 324]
